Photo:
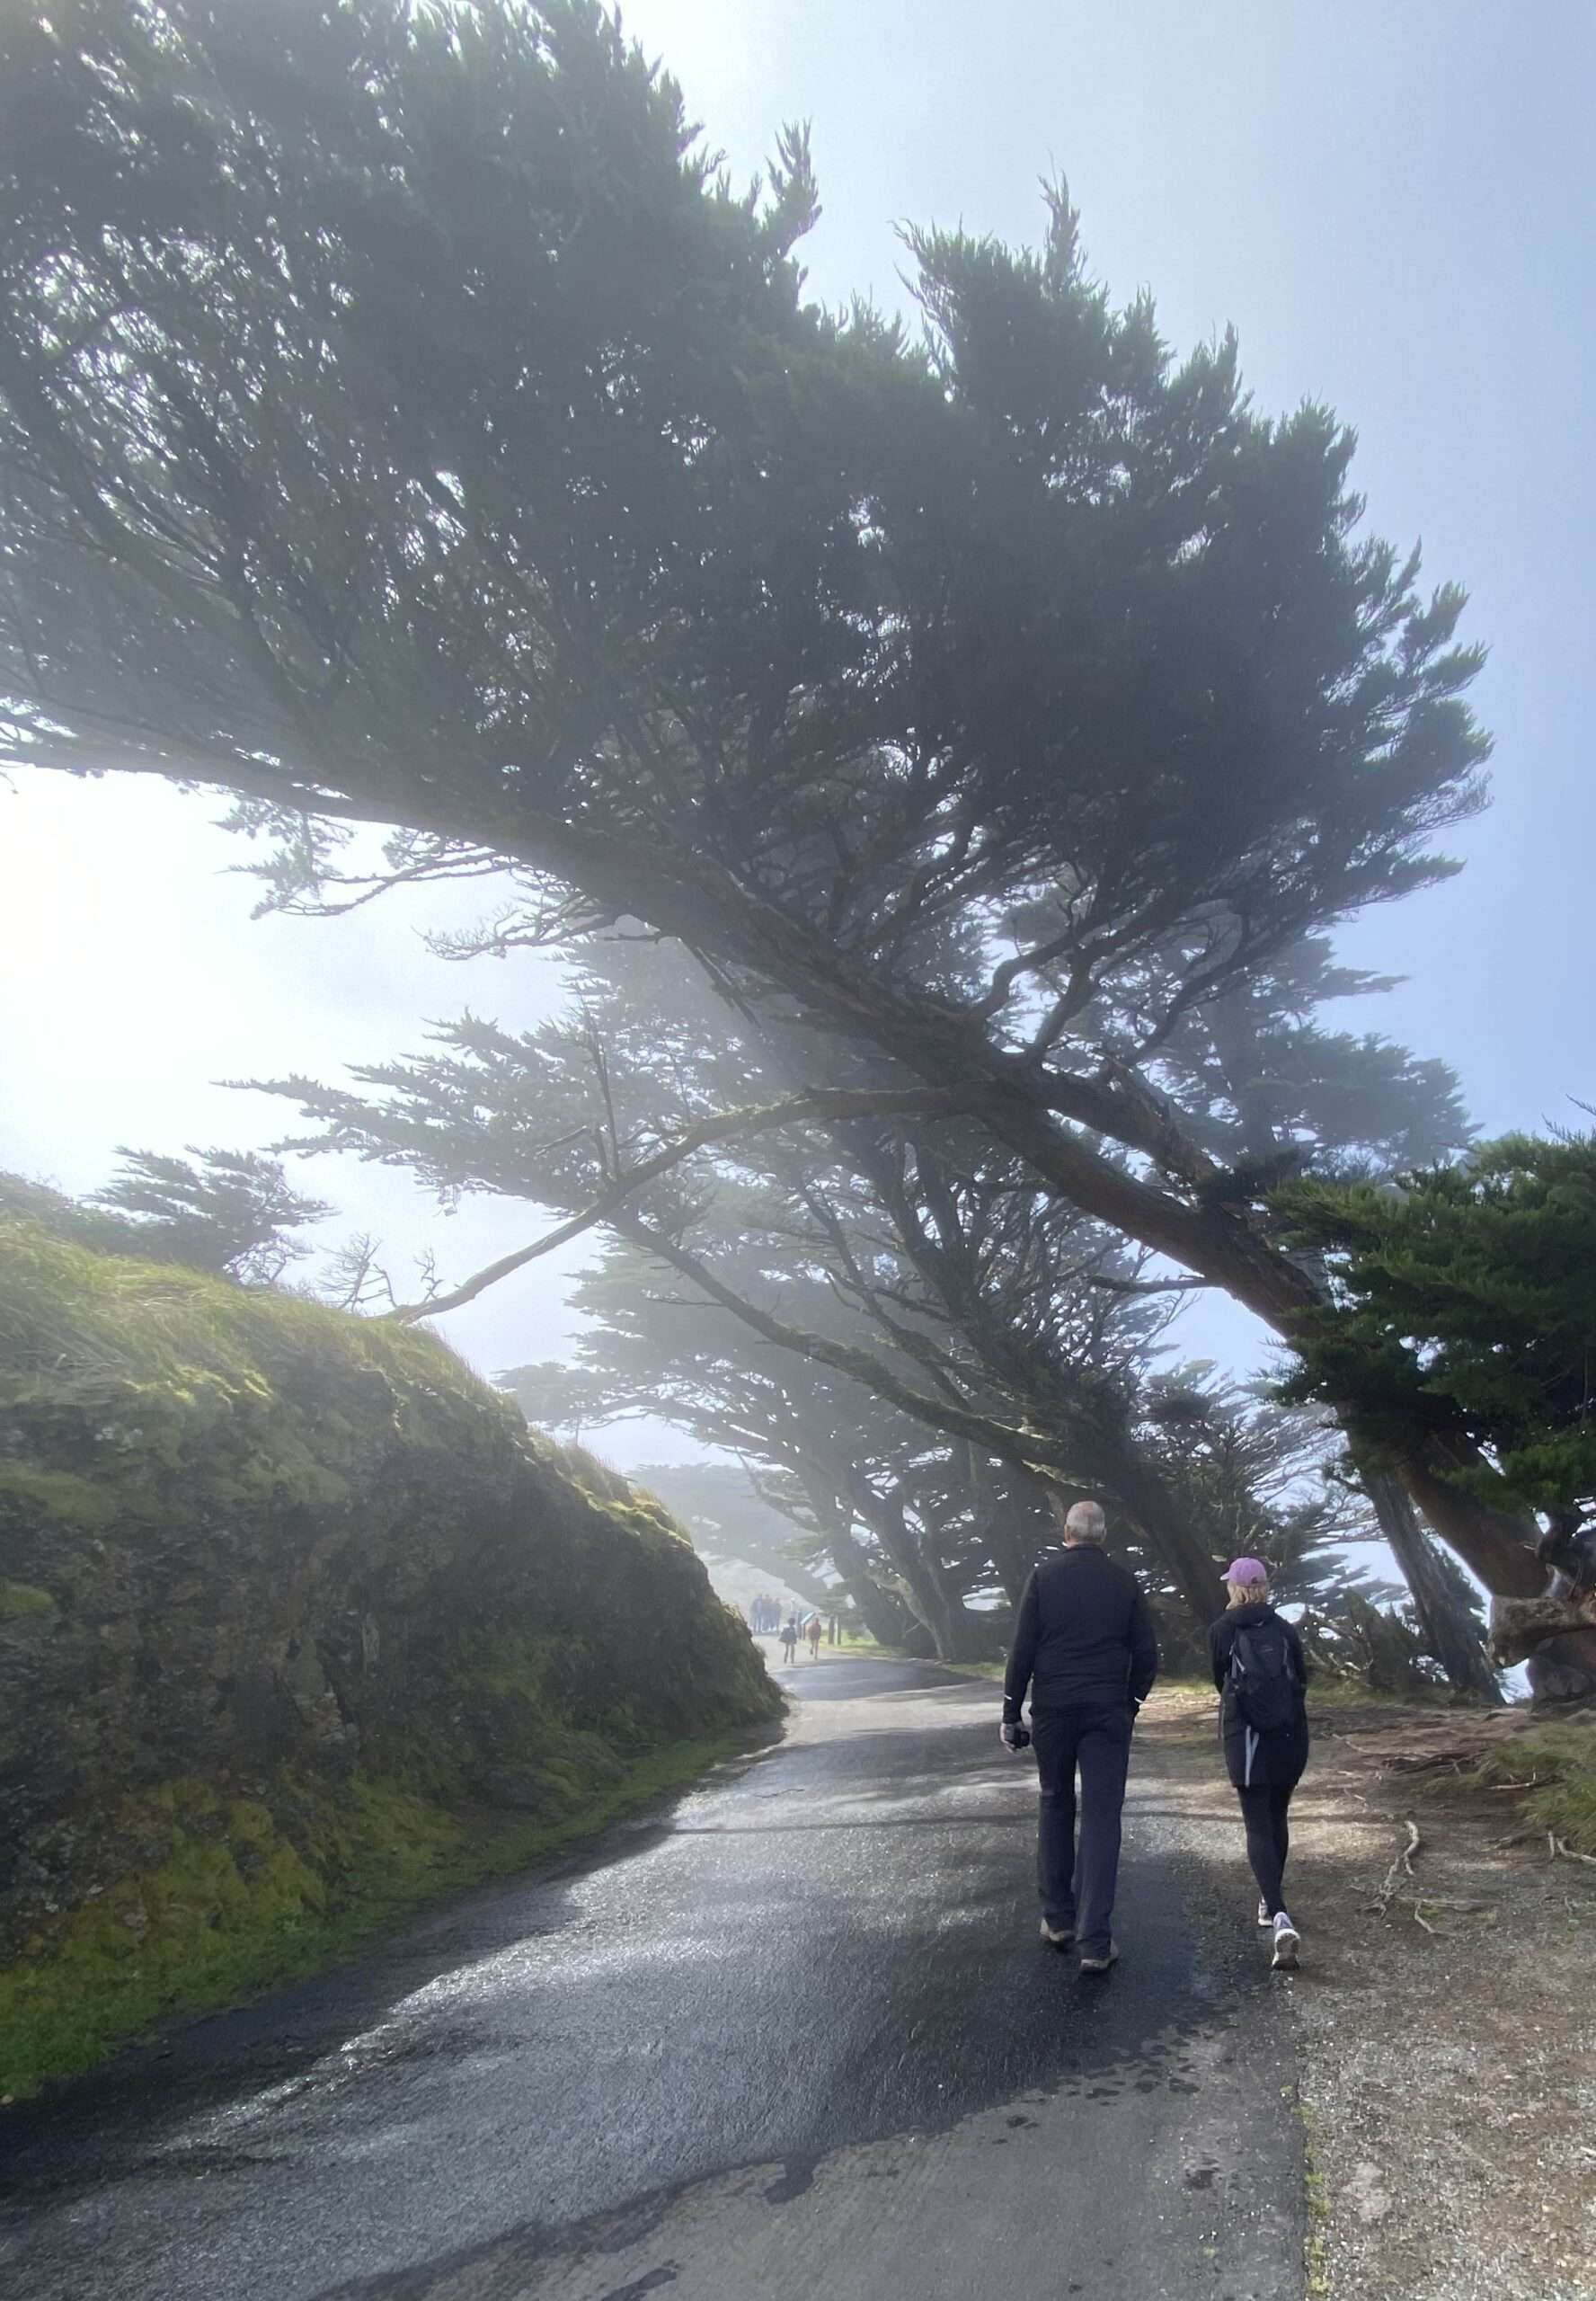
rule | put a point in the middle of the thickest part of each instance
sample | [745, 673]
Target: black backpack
[1262, 1684]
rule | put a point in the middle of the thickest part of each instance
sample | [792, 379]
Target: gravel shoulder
[1443, 2013]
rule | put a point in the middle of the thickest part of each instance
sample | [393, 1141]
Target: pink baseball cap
[1246, 1571]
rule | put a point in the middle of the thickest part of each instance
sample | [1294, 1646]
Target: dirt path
[1444, 2015]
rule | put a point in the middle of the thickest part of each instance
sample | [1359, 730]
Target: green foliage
[229, 1213]
[1036, 580]
[1464, 1298]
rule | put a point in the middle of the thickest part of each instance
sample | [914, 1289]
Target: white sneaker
[1058, 1936]
[1287, 1942]
[1264, 1917]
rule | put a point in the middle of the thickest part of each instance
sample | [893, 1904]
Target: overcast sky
[1392, 201]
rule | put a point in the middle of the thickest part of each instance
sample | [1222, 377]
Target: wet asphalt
[794, 2036]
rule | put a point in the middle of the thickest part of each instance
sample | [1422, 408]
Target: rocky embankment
[299, 1624]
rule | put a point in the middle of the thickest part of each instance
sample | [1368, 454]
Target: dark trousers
[1077, 1887]
[1269, 1838]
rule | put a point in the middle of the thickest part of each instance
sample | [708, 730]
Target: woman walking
[1259, 1670]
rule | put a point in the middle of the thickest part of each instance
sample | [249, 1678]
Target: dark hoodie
[1254, 1758]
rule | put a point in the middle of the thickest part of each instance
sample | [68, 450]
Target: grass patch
[1315, 2236]
[18, 1600]
[255, 1891]
[869, 1650]
[1557, 1765]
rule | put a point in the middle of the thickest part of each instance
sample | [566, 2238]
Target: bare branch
[722, 1126]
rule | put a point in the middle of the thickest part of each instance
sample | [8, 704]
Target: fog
[1391, 205]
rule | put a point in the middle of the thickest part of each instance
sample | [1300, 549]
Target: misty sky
[1392, 201]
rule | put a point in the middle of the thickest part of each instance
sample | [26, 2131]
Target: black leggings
[1263, 1810]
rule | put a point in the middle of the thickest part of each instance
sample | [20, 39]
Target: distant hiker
[789, 1639]
[1084, 1645]
[1260, 1671]
[815, 1627]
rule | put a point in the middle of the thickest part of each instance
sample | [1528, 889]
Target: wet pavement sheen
[796, 2035]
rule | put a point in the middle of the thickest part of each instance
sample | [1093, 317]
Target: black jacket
[1255, 1758]
[1084, 1638]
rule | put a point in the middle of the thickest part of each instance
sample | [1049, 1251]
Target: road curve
[796, 2035]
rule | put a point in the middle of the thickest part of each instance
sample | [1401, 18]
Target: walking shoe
[1059, 1937]
[1264, 1917]
[1287, 1942]
[1099, 1960]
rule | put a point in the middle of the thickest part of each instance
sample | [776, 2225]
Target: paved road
[796, 2037]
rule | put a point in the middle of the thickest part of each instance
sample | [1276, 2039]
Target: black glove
[1014, 1735]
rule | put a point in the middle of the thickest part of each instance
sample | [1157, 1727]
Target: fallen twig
[1421, 1919]
[1561, 1846]
[1401, 1867]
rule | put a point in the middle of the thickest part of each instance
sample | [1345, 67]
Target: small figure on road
[789, 1639]
[813, 1628]
[1084, 1647]
[1260, 1673]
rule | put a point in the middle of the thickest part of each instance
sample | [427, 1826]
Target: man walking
[1084, 1647]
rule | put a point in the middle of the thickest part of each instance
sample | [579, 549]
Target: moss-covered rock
[297, 1623]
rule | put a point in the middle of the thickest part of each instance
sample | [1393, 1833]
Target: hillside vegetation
[299, 1625]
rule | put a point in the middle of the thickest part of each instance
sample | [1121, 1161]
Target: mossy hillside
[256, 1889]
[248, 1542]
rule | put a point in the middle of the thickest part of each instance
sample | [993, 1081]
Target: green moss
[56, 1495]
[258, 1891]
[19, 1599]
[154, 1369]
[1315, 2237]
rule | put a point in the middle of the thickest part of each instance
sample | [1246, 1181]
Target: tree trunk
[1493, 1544]
[1520, 1626]
[1448, 1632]
[1004, 1506]
[954, 1633]
[883, 1615]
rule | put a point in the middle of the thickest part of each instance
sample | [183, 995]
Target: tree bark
[1448, 1632]
[1520, 1626]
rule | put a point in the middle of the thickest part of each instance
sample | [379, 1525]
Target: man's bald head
[1083, 1522]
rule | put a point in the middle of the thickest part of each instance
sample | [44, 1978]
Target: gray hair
[1085, 1523]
